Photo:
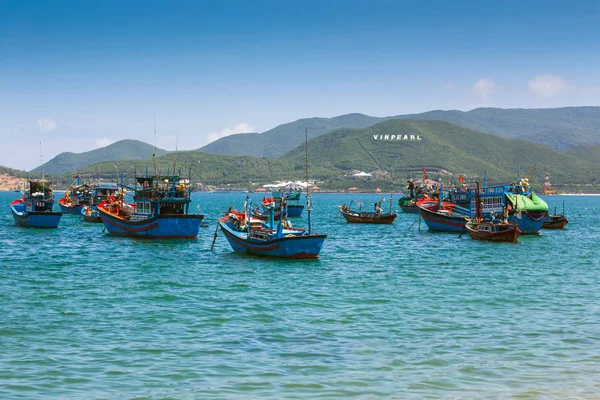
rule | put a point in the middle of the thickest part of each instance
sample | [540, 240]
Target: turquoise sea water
[386, 312]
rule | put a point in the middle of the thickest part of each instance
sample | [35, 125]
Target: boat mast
[308, 205]
[478, 216]
[154, 155]
[42, 167]
[176, 148]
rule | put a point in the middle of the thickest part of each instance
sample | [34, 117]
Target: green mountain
[560, 128]
[589, 153]
[445, 149]
[12, 172]
[121, 150]
[281, 139]
[213, 169]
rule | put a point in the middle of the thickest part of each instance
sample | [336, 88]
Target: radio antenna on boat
[308, 205]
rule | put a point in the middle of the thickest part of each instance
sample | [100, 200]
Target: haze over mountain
[560, 128]
[121, 150]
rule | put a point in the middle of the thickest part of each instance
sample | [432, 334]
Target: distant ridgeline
[560, 128]
[122, 150]
[13, 172]
[391, 148]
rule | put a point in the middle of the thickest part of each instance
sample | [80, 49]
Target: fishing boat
[100, 193]
[443, 218]
[442, 215]
[490, 229]
[363, 217]
[292, 201]
[160, 210]
[493, 231]
[35, 209]
[76, 197]
[516, 202]
[416, 190]
[408, 203]
[254, 236]
[289, 201]
[556, 221]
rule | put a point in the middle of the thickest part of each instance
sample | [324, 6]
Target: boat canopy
[38, 186]
[527, 203]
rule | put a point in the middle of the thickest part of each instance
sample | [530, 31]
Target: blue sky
[77, 75]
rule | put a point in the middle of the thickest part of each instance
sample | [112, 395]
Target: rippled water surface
[386, 312]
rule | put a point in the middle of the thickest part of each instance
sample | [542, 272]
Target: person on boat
[377, 208]
[411, 188]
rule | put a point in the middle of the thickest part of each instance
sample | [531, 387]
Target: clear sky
[77, 75]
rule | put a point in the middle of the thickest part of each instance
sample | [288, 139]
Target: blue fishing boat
[35, 209]
[160, 210]
[254, 236]
[516, 203]
[288, 201]
[445, 217]
[292, 202]
[101, 192]
[78, 196]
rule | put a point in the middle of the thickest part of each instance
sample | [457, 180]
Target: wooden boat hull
[411, 209]
[294, 210]
[90, 214]
[184, 226]
[507, 235]
[68, 208]
[408, 205]
[293, 247]
[366, 219]
[555, 223]
[436, 221]
[34, 219]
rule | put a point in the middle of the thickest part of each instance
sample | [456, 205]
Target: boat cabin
[164, 195]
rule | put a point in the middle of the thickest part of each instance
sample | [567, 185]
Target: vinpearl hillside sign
[397, 137]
